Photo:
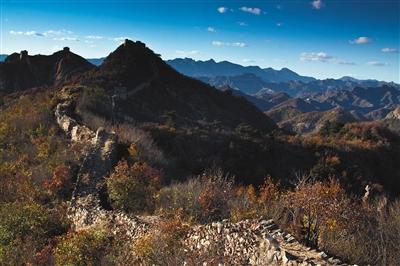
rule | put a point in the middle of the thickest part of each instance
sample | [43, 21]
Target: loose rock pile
[253, 242]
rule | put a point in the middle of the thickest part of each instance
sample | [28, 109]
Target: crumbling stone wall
[99, 157]
[254, 242]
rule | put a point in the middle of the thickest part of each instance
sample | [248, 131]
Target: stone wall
[85, 210]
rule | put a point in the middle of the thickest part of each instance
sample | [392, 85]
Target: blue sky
[320, 38]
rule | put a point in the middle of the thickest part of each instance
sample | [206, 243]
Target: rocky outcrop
[395, 114]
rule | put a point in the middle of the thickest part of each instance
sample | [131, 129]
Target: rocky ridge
[21, 71]
[249, 242]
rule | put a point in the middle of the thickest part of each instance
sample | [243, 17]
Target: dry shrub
[215, 196]
[25, 229]
[132, 188]
[376, 240]
[93, 121]
[244, 204]
[83, 248]
[94, 107]
[264, 202]
[163, 246]
[181, 197]
[31, 146]
[60, 183]
[202, 199]
[19, 188]
[269, 201]
[320, 206]
[141, 145]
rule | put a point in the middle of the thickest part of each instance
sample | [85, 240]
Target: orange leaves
[208, 203]
[332, 160]
[132, 188]
[268, 191]
[215, 195]
[323, 206]
[61, 180]
[132, 150]
[141, 172]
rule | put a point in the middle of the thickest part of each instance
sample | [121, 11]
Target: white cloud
[321, 57]
[94, 37]
[243, 24]
[211, 29]
[222, 9]
[16, 32]
[217, 43]
[183, 53]
[389, 50]
[247, 61]
[33, 33]
[317, 4]
[119, 39]
[361, 40]
[238, 44]
[56, 32]
[279, 24]
[376, 63]
[344, 62]
[66, 39]
[48, 33]
[324, 57]
[253, 10]
[26, 33]
[232, 44]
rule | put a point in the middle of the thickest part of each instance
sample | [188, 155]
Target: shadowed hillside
[22, 71]
[148, 90]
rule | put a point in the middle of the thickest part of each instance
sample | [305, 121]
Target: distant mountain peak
[22, 71]
[130, 64]
[151, 89]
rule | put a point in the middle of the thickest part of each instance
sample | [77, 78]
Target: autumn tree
[133, 187]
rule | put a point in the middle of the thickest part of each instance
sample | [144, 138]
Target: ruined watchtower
[23, 55]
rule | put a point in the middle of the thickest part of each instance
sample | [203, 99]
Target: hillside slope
[301, 122]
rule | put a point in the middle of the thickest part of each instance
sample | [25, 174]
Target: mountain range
[294, 102]
[308, 114]
[213, 69]
[145, 87]
[252, 79]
